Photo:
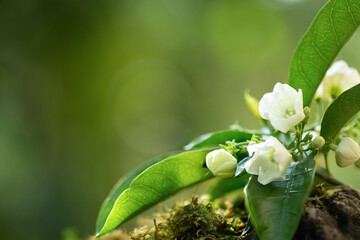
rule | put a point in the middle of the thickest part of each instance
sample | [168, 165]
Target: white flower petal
[266, 176]
[283, 107]
[337, 67]
[339, 78]
[270, 160]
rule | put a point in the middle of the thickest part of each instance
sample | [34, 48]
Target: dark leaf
[276, 208]
[340, 112]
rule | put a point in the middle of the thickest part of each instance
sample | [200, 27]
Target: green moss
[194, 220]
[113, 235]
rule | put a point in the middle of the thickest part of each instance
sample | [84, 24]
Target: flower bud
[221, 163]
[347, 152]
[317, 143]
[253, 105]
[307, 113]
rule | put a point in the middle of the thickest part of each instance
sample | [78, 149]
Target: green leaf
[276, 208]
[216, 138]
[328, 33]
[247, 227]
[340, 112]
[120, 187]
[149, 185]
[227, 185]
[240, 167]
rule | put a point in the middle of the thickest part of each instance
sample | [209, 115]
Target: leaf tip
[188, 146]
[99, 233]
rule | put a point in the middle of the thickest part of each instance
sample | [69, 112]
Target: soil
[335, 217]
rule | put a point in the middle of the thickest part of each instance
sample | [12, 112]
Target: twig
[156, 229]
[322, 174]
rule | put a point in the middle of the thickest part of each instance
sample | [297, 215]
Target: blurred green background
[91, 89]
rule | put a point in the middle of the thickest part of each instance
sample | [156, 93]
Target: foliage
[340, 112]
[151, 184]
[216, 138]
[224, 186]
[330, 30]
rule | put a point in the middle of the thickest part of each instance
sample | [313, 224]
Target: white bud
[347, 152]
[221, 163]
[338, 79]
[318, 143]
[283, 107]
[270, 160]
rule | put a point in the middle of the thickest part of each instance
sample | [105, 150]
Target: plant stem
[333, 146]
[322, 174]
[327, 165]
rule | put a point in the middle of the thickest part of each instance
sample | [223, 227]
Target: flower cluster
[283, 108]
[269, 159]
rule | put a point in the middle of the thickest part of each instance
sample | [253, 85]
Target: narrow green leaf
[247, 227]
[340, 112]
[276, 208]
[328, 33]
[149, 185]
[216, 138]
[227, 185]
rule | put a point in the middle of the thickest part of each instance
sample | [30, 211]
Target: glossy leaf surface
[149, 185]
[216, 138]
[240, 167]
[340, 112]
[276, 208]
[328, 33]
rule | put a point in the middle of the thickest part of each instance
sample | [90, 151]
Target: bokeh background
[91, 89]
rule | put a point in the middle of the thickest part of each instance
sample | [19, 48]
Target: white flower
[347, 152]
[339, 78]
[221, 163]
[283, 107]
[270, 161]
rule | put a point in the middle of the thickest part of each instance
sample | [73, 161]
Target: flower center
[289, 112]
[269, 154]
[335, 91]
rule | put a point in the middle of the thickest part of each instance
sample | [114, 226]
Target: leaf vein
[352, 15]
[332, 24]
